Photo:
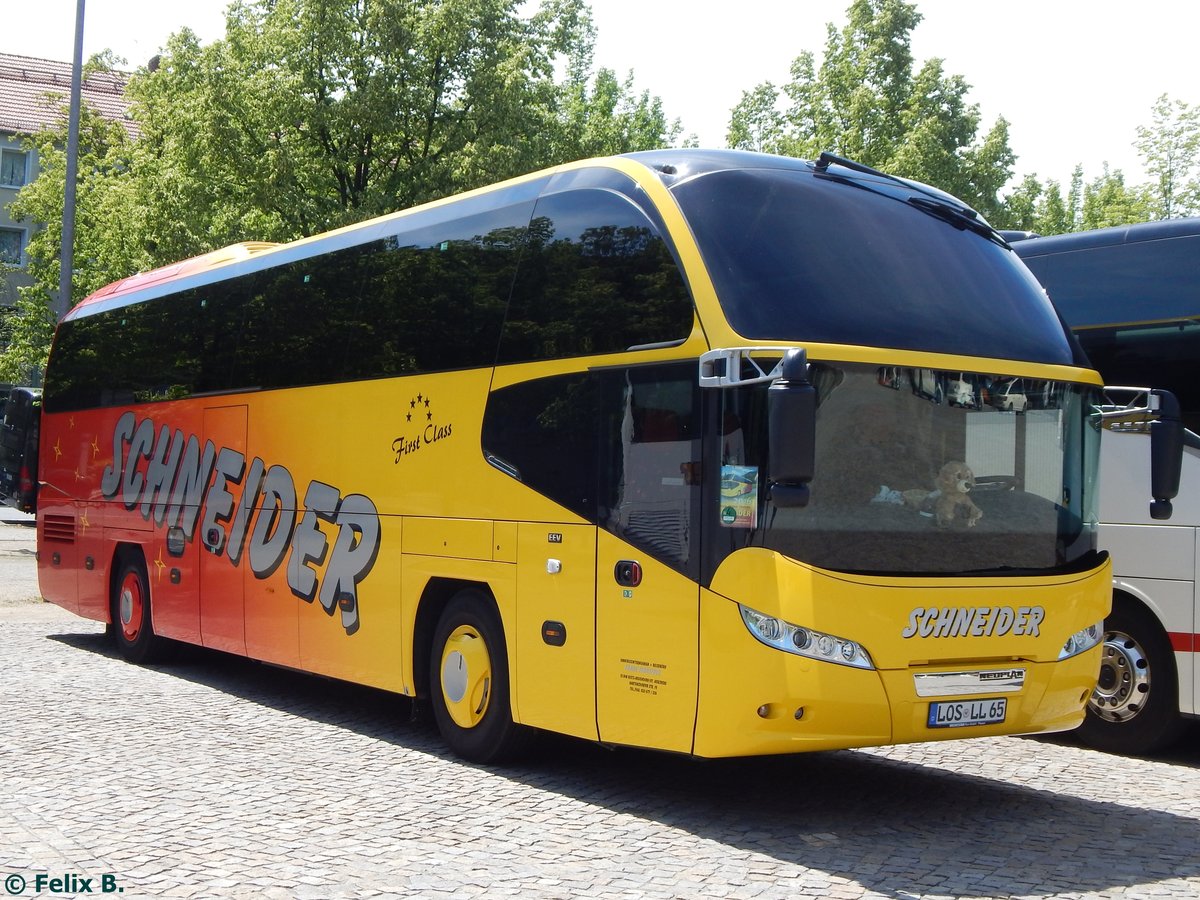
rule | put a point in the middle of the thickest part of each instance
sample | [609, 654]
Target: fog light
[764, 711]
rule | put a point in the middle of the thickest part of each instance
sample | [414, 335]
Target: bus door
[222, 593]
[647, 602]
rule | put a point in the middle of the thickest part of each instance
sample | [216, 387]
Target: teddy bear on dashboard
[953, 485]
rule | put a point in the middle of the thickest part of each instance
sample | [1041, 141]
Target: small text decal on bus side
[173, 487]
[422, 428]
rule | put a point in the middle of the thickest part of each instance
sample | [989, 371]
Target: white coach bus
[1132, 297]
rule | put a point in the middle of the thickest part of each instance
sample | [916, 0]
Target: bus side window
[648, 484]
[543, 432]
[596, 277]
[619, 447]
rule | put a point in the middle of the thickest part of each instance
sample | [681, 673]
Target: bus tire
[1135, 706]
[469, 683]
[132, 621]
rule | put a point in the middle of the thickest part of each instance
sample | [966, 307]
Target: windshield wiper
[930, 201]
[961, 218]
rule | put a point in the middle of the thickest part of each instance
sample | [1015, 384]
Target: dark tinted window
[799, 257]
[1162, 355]
[420, 301]
[546, 434]
[133, 354]
[619, 447]
[596, 277]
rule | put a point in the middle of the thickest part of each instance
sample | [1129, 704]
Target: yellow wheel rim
[466, 676]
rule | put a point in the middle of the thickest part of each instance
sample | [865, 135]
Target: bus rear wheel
[132, 621]
[469, 682]
[1135, 706]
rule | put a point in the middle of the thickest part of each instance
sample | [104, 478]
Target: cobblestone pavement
[217, 777]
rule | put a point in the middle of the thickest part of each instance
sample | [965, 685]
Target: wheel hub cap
[466, 676]
[129, 608]
[1124, 683]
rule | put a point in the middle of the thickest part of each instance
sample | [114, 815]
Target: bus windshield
[922, 472]
[796, 256]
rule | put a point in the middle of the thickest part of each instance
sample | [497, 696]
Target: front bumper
[757, 700]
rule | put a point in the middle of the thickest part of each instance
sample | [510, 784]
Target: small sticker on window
[739, 496]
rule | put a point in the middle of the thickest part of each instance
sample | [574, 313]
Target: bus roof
[1108, 237]
[1140, 274]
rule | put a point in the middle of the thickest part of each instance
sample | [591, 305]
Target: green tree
[316, 113]
[605, 116]
[1108, 201]
[1054, 216]
[867, 101]
[756, 122]
[312, 114]
[1170, 150]
[1039, 207]
[1074, 209]
[1021, 208]
[1100, 203]
[104, 207]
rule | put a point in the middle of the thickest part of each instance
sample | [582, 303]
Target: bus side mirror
[1166, 454]
[792, 431]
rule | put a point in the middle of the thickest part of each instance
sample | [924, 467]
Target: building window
[13, 167]
[12, 242]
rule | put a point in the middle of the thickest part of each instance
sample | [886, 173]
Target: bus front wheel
[132, 622]
[469, 682]
[1135, 706]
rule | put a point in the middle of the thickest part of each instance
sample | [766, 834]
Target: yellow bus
[700, 451]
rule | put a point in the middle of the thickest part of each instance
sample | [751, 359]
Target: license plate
[960, 713]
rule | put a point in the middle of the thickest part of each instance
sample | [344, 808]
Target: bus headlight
[805, 641]
[1082, 640]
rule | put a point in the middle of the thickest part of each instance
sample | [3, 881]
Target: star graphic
[83, 521]
[412, 404]
[159, 564]
[408, 417]
[428, 416]
[77, 475]
[427, 403]
[95, 449]
[418, 398]
[57, 449]
[72, 421]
